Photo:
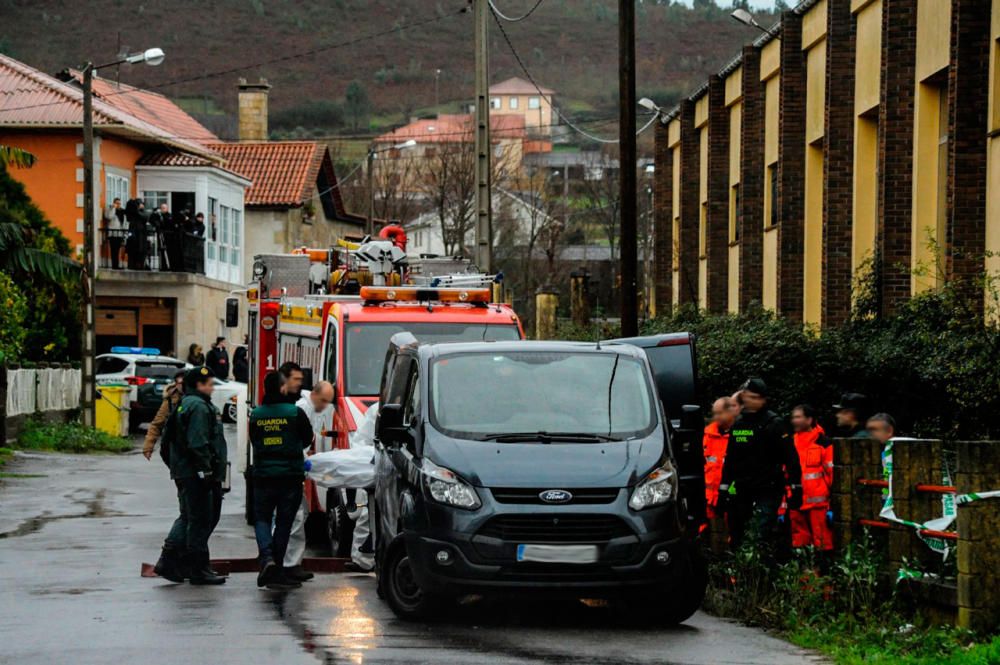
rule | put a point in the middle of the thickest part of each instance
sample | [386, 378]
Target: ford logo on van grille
[555, 496]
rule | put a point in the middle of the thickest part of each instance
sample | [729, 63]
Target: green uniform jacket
[279, 435]
[199, 445]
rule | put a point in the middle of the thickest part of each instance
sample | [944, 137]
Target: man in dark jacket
[279, 432]
[761, 461]
[198, 459]
[241, 363]
[218, 359]
[851, 413]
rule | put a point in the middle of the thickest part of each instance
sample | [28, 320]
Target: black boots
[171, 565]
[298, 574]
[201, 573]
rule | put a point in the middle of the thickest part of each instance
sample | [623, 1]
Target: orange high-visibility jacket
[816, 456]
[714, 443]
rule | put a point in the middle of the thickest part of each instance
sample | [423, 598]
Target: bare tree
[603, 201]
[396, 197]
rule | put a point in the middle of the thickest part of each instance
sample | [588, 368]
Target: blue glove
[781, 519]
[308, 465]
[829, 517]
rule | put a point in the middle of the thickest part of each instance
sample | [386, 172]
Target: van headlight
[659, 487]
[444, 486]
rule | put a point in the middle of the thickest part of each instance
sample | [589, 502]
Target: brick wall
[895, 151]
[663, 183]
[751, 180]
[839, 162]
[717, 248]
[688, 254]
[791, 167]
[968, 81]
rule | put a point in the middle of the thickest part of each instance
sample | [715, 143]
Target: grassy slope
[570, 45]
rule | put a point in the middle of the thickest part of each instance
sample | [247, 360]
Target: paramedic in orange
[724, 412]
[810, 525]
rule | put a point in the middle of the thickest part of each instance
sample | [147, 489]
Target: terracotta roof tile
[283, 172]
[454, 128]
[154, 108]
[31, 98]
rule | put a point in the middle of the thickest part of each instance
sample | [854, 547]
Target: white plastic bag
[350, 467]
[365, 434]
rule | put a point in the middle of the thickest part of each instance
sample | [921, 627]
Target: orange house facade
[145, 148]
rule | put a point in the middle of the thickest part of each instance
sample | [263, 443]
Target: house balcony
[152, 251]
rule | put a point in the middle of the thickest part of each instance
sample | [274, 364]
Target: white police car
[145, 370]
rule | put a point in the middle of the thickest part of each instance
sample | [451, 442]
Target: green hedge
[934, 364]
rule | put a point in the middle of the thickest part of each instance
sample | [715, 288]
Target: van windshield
[541, 396]
[366, 343]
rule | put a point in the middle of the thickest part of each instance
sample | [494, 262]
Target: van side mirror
[389, 429]
[691, 418]
[232, 313]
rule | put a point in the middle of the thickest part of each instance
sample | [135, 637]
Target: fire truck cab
[342, 336]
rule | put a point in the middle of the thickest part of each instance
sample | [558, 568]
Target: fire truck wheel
[339, 526]
[229, 415]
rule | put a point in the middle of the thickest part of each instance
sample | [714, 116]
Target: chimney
[253, 110]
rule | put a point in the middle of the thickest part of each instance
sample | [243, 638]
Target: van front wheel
[402, 592]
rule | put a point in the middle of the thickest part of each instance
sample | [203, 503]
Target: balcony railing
[163, 251]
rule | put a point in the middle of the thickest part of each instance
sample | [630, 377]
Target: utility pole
[484, 212]
[370, 221]
[87, 385]
[626, 162]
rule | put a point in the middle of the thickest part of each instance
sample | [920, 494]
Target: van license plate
[557, 553]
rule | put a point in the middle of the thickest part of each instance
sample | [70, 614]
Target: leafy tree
[15, 311]
[356, 103]
[35, 256]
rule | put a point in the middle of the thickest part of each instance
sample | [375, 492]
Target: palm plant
[19, 255]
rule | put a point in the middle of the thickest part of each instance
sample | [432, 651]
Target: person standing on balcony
[137, 242]
[162, 221]
[218, 359]
[113, 229]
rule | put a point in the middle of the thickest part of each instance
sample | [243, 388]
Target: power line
[497, 12]
[555, 109]
[284, 58]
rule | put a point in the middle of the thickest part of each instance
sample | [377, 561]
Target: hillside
[569, 45]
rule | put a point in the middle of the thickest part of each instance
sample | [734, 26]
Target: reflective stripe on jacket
[714, 443]
[816, 457]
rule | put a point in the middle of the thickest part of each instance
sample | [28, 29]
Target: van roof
[450, 348]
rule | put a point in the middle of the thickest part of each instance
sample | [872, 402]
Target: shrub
[15, 311]
[70, 438]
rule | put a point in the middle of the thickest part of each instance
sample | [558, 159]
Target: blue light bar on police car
[139, 350]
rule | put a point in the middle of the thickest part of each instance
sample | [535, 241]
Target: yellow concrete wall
[701, 111]
[933, 36]
[735, 135]
[868, 57]
[769, 286]
[676, 222]
[865, 199]
[770, 59]
[734, 86]
[769, 292]
[814, 25]
[815, 91]
[993, 163]
[734, 279]
[812, 250]
[703, 213]
[771, 98]
[925, 231]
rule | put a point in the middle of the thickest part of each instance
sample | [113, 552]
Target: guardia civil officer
[198, 464]
[761, 461]
[279, 433]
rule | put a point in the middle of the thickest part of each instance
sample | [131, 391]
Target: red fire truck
[333, 312]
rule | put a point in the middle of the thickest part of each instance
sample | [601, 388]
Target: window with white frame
[236, 223]
[116, 186]
[513, 102]
[534, 102]
[224, 235]
[154, 199]
[495, 103]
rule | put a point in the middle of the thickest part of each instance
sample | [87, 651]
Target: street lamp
[152, 57]
[650, 105]
[372, 151]
[437, 88]
[746, 18]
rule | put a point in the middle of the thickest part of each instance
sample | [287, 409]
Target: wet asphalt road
[71, 545]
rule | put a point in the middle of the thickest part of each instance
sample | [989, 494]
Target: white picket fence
[33, 390]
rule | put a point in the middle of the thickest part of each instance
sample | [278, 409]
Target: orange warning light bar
[418, 294]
